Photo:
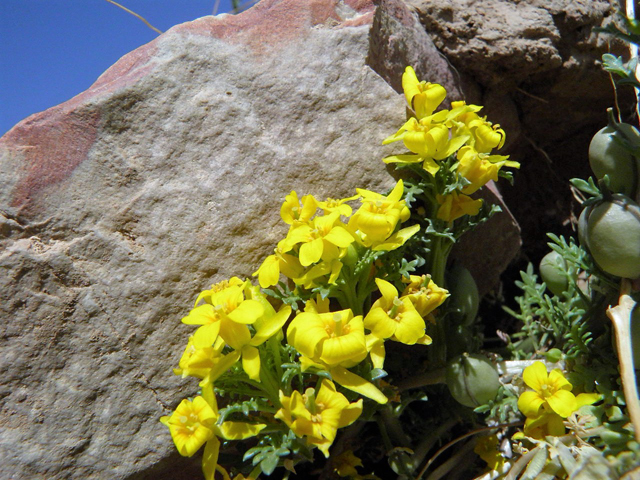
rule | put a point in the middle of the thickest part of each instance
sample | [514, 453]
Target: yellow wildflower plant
[425, 295]
[455, 205]
[551, 393]
[395, 318]
[317, 416]
[375, 221]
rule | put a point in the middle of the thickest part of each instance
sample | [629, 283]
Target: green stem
[274, 347]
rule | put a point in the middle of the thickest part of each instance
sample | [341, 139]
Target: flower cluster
[433, 137]
[316, 245]
[550, 402]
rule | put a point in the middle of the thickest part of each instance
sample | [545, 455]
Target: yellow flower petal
[311, 252]
[357, 384]
[247, 312]
[529, 403]
[251, 362]
[562, 402]
[240, 430]
[535, 375]
[557, 381]
[210, 458]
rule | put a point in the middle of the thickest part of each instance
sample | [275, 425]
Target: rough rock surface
[534, 65]
[120, 205]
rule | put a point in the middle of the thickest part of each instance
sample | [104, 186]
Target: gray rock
[120, 205]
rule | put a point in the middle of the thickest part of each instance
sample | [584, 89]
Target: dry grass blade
[136, 15]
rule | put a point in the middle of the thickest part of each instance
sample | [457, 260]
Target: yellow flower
[479, 168]
[395, 318]
[318, 415]
[345, 465]
[269, 272]
[334, 341]
[376, 220]
[191, 425]
[194, 422]
[483, 135]
[455, 205]
[205, 362]
[331, 205]
[425, 295]
[422, 97]
[333, 338]
[428, 141]
[551, 391]
[550, 423]
[487, 449]
[226, 313]
[321, 238]
[293, 211]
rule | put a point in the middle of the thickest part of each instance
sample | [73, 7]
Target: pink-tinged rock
[120, 205]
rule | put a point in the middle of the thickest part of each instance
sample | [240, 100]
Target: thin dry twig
[620, 316]
[459, 439]
[135, 15]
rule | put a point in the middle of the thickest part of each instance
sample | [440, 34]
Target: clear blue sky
[51, 50]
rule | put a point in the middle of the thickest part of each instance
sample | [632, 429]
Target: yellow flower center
[317, 418]
[546, 390]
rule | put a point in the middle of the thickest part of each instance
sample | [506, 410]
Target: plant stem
[428, 378]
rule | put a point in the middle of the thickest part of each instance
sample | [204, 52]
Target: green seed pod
[464, 296]
[472, 380]
[554, 355]
[613, 235]
[553, 272]
[607, 156]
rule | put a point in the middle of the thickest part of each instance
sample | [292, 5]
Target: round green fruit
[607, 156]
[472, 380]
[553, 272]
[613, 236]
[464, 297]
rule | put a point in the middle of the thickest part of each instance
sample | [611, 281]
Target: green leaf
[269, 464]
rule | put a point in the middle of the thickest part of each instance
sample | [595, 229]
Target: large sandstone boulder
[120, 205]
